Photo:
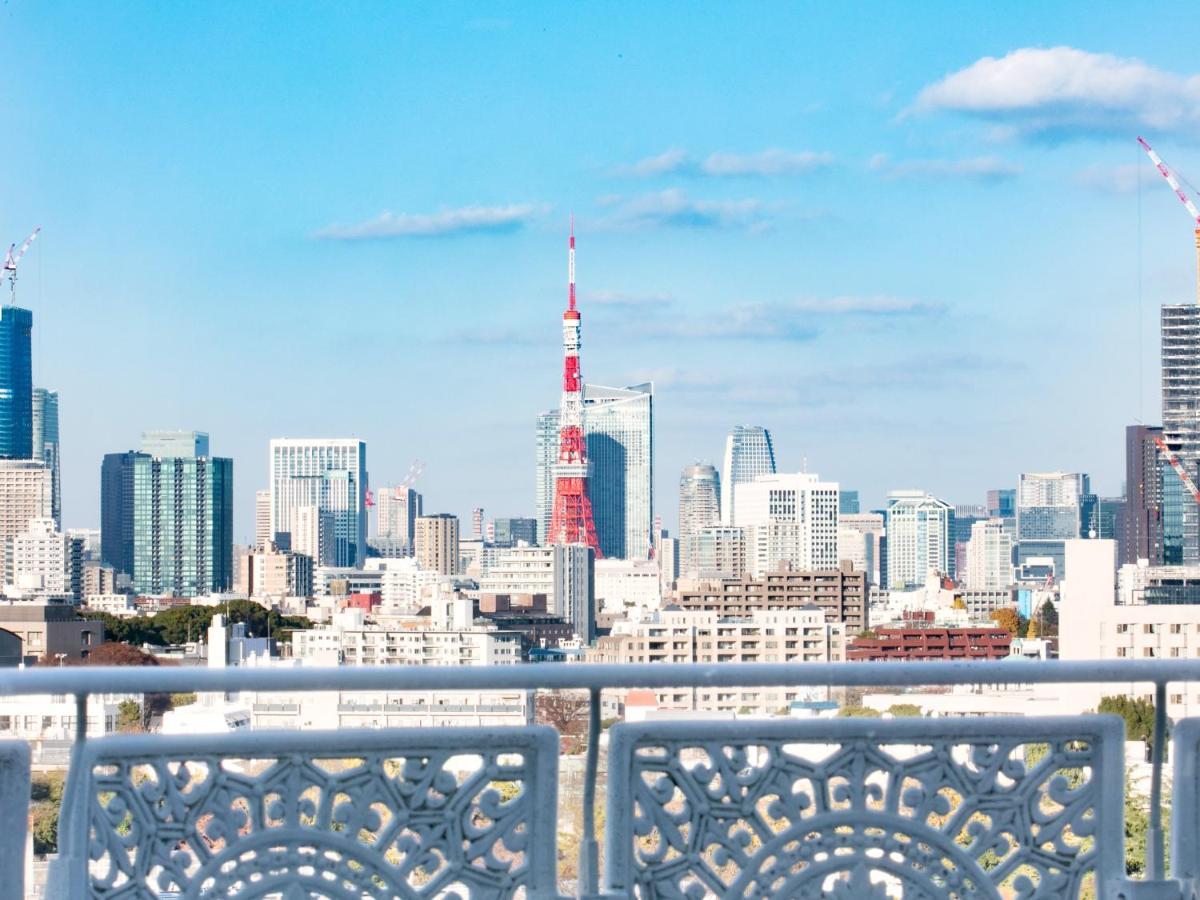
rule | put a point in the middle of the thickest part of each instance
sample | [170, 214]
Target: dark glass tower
[16, 383]
[116, 510]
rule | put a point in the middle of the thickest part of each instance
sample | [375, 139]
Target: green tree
[903, 710]
[1137, 830]
[129, 716]
[858, 712]
[1048, 619]
[1137, 713]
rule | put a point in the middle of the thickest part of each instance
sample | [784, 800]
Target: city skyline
[857, 236]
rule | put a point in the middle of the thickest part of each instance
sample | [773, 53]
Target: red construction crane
[414, 472]
[1178, 467]
[1183, 198]
[12, 259]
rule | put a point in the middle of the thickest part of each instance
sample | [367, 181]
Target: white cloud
[769, 162]
[977, 168]
[625, 299]
[443, 222]
[1121, 179]
[1064, 92]
[675, 208]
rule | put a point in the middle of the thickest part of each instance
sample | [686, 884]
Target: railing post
[81, 705]
[589, 849]
[1155, 857]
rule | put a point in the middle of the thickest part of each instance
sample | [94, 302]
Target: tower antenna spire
[571, 265]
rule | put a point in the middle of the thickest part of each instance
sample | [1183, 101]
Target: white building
[1048, 505]
[396, 512]
[788, 518]
[565, 573]
[699, 506]
[870, 526]
[43, 562]
[330, 474]
[623, 584]
[121, 605]
[749, 453]
[262, 518]
[989, 556]
[403, 585]
[920, 538]
[344, 580]
[26, 493]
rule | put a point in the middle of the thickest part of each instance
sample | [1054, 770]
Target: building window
[1149, 629]
[1177, 699]
[1176, 629]
[1149, 651]
[1121, 652]
[1123, 628]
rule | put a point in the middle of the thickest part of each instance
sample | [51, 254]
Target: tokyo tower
[571, 521]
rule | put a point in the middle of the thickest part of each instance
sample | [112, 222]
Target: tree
[567, 714]
[129, 717]
[904, 710]
[1048, 619]
[114, 653]
[1138, 715]
[1032, 630]
[1008, 619]
[858, 712]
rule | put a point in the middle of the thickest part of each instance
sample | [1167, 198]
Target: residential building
[508, 532]
[436, 543]
[930, 643]
[44, 562]
[330, 474]
[718, 551]
[26, 493]
[262, 518]
[1180, 401]
[872, 547]
[116, 509]
[704, 638]
[623, 584]
[342, 581]
[50, 630]
[841, 593]
[989, 556]
[182, 521]
[46, 443]
[790, 518]
[699, 506]
[668, 562]
[396, 512]
[98, 579]
[404, 586]
[564, 573]
[749, 453]
[269, 572]
[313, 534]
[920, 532]
[16, 383]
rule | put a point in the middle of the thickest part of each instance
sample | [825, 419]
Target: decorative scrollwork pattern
[857, 808]
[409, 813]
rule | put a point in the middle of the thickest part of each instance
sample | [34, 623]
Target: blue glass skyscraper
[16, 383]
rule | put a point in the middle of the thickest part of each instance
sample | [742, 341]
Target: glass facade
[1175, 502]
[748, 454]
[116, 510]
[182, 525]
[330, 475]
[45, 442]
[16, 383]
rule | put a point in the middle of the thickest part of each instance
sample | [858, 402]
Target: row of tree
[181, 624]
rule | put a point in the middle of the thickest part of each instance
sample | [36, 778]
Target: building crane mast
[1179, 468]
[12, 259]
[1187, 201]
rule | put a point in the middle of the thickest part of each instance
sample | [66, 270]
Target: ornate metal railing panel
[14, 807]
[853, 808]
[1185, 806]
[409, 813]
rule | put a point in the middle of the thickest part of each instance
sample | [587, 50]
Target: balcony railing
[907, 807]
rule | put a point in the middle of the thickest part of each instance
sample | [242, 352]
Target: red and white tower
[571, 521]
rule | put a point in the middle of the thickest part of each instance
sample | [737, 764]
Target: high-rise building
[1142, 534]
[870, 543]
[26, 493]
[16, 383]
[45, 442]
[619, 423]
[1002, 503]
[699, 506]
[920, 538]
[965, 516]
[116, 510]
[749, 453]
[508, 532]
[42, 561]
[989, 556]
[1180, 402]
[1052, 508]
[396, 511]
[564, 573]
[182, 524]
[789, 519]
[436, 543]
[268, 572]
[330, 474]
[165, 444]
[262, 518]
[848, 503]
[312, 534]
[477, 523]
[718, 551]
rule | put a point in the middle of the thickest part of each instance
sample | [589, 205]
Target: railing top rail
[167, 679]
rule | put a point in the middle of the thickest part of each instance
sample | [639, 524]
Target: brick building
[931, 644]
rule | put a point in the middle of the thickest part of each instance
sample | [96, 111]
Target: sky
[919, 243]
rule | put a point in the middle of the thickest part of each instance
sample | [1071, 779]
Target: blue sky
[920, 244]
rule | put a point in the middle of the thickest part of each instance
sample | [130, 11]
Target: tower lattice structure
[571, 521]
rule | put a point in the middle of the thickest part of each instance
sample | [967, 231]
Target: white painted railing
[991, 807]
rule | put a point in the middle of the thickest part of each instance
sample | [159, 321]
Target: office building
[116, 510]
[625, 584]
[182, 523]
[26, 493]
[1002, 503]
[749, 453]
[164, 444]
[965, 515]
[920, 533]
[1142, 531]
[699, 506]
[46, 443]
[989, 556]
[718, 551]
[330, 474]
[564, 573]
[848, 503]
[788, 518]
[841, 593]
[668, 562]
[262, 518]
[1052, 508]
[44, 562]
[477, 523]
[270, 572]
[396, 512]
[16, 383]
[619, 424]
[312, 534]
[1180, 402]
[404, 587]
[50, 631]
[436, 543]
[869, 554]
[508, 532]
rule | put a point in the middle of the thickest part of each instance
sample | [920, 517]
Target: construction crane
[414, 472]
[1187, 201]
[12, 259]
[1170, 456]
